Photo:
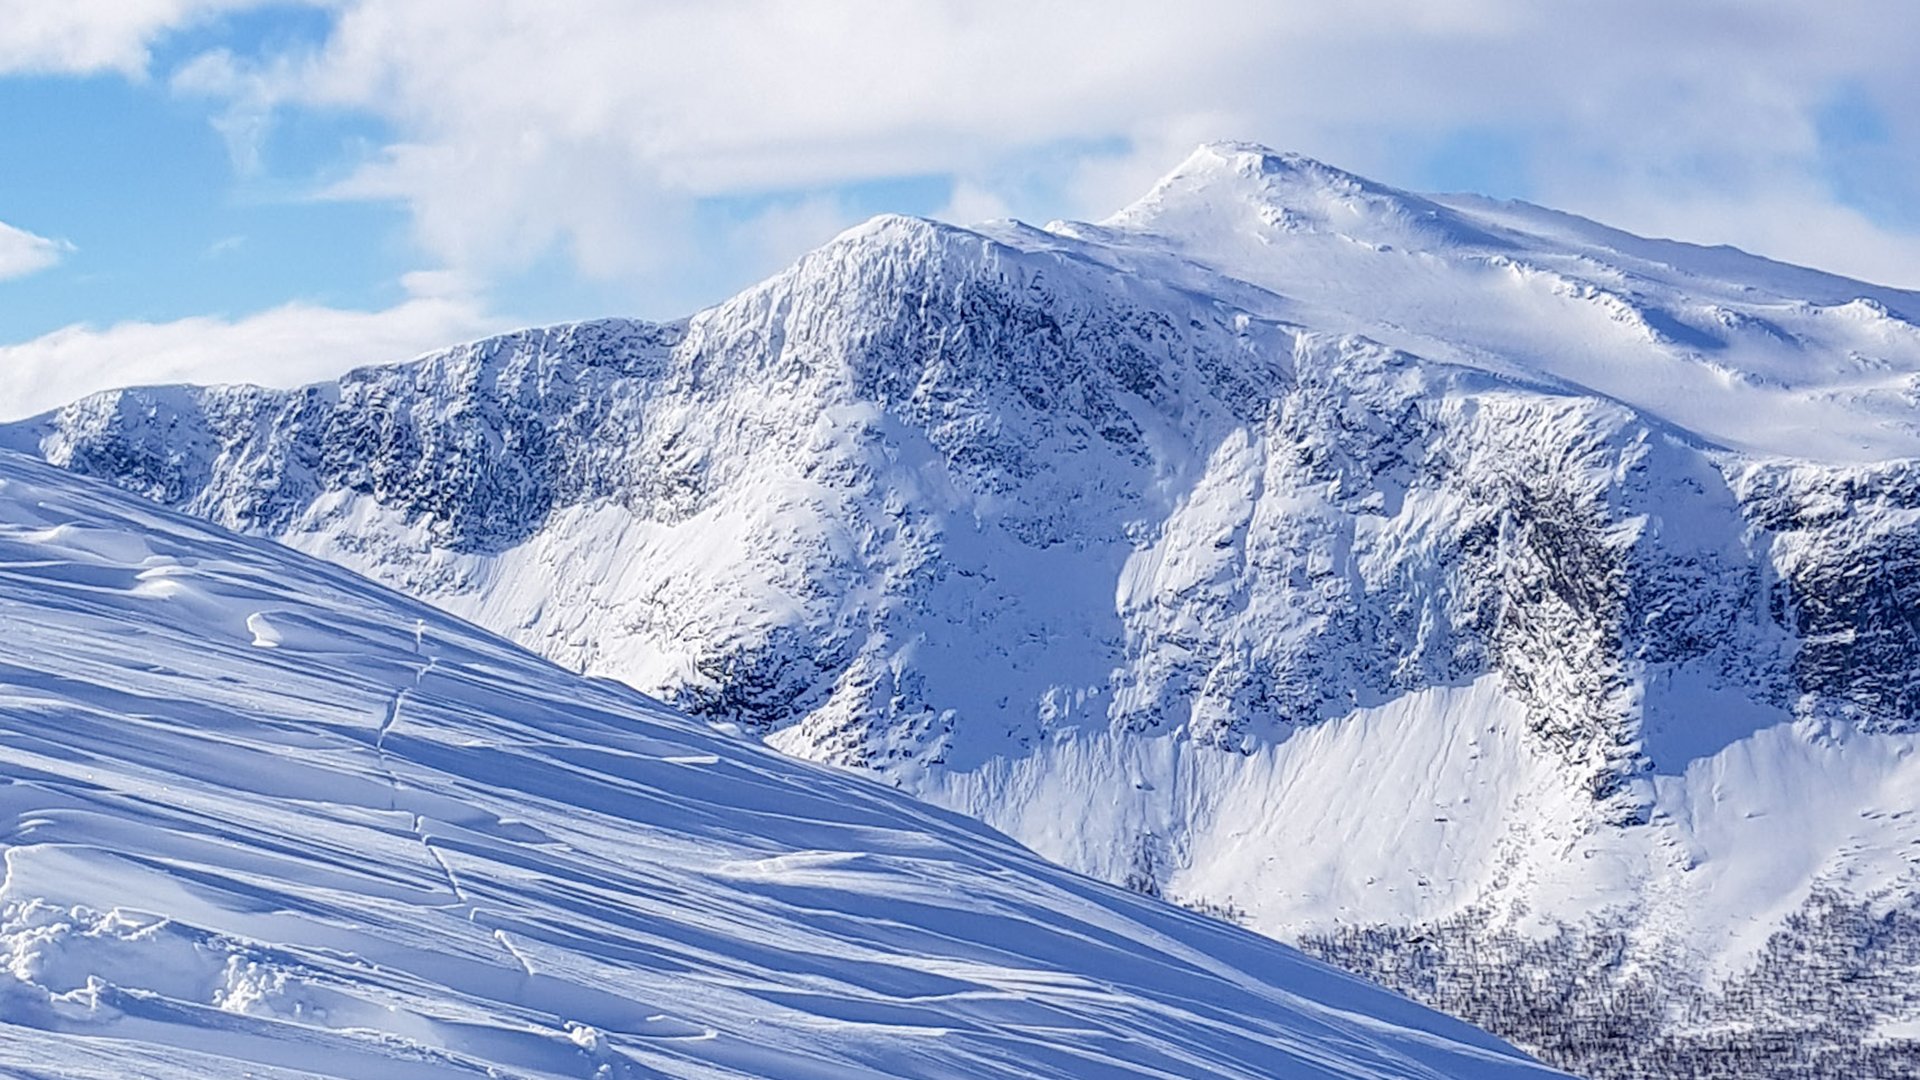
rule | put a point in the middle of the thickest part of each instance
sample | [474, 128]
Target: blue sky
[216, 189]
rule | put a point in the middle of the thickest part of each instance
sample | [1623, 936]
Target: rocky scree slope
[1421, 573]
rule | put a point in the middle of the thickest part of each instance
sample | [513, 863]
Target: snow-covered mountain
[1519, 611]
[262, 818]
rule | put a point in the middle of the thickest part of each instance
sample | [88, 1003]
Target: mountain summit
[1243, 190]
[1516, 610]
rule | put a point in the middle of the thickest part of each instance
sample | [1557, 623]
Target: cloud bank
[597, 136]
[591, 127]
[285, 346]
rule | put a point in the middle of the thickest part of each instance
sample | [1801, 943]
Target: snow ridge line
[417, 822]
[506, 943]
[417, 825]
[446, 871]
[392, 715]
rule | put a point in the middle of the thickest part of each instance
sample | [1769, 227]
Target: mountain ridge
[1140, 543]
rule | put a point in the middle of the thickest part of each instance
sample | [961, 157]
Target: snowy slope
[262, 818]
[1517, 610]
[1736, 350]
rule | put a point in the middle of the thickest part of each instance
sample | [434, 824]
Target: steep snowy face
[837, 502]
[1153, 542]
[262, 818]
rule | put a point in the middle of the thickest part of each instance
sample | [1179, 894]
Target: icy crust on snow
[389, 845]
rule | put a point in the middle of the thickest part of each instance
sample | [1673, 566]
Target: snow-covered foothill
[393, 846]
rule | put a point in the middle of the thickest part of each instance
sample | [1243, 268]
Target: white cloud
[591, 127]
[23, 253]
[225, 246]
[82, 37]
[594, 128]
[972, 203]
[284, 346]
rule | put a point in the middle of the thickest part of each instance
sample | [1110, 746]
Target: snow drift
[262, 818]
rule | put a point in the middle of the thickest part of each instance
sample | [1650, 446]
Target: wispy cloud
[23, 253]
[225, 246]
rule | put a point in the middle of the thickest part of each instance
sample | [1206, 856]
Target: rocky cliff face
[1116, 535]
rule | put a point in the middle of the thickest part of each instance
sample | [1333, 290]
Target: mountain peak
[1252, 173]
[1253, 190]
[1257, 159]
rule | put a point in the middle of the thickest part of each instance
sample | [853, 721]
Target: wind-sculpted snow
[1094, 530]
[261, 818]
